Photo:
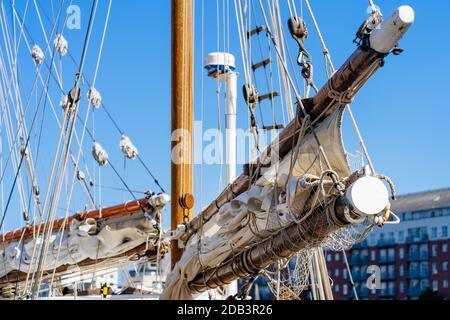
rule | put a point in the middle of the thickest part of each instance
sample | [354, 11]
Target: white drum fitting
[220, 60]
[368, 196]
[388, 33]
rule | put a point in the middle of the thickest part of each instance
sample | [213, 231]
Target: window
[434, 232]
[414, 251]
[402, 287]
[434, 250]
[445, 284]
[445, 231]
[424, 284]
[434, 268]
[401, 236]
[391, 288]
[344, 289]
[391, 271]
[365, 254]
[383, 254]
[336, 273]
[329, 257]
[445, 266]
[337, 288]
[444, 248]
[408, 216]
[391, 253]
[401, 270]
[337, 257]
[435, 285]
[424, 251]
[373, 255]
[424, 268]
[401, 253]
[344, 274]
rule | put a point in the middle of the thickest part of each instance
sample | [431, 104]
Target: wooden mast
[182, 118]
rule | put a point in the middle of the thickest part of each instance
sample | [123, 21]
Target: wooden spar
[361, 64]
[128, 208]
[282, 245]
[151, 252]
[182, 118]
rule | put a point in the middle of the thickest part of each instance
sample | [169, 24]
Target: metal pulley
[251, 95]
[299, 32]
[297, 28]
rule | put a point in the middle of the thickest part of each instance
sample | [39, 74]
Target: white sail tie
[128, 148]
[37, 54]
[61, 45]
[94, 97]
[100, 155]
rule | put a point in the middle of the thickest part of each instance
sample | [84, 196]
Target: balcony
[386, 242]
[417, 274]
[358, 276]
[386, 259]
[424, 255]
[357, 259]
[362, 294]
[361, 245]
[387, 293]
[414, 256]
[424, 238]
[414, 292]
[388, 276]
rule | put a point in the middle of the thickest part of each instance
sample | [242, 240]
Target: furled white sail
[261, 211]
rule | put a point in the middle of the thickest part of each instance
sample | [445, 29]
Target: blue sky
[403, 112]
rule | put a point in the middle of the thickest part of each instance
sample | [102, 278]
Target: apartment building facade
[401, 261]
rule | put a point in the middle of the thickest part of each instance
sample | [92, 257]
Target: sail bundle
[88, 238]
[276, 201]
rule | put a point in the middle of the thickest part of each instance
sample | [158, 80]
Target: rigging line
[55, 187]
[115, 124]
[119, 189]
[5, 211]
[122, 133]
[352, 118]
[102, 43]
[63, 165]
[82, 139]
[47, 40]
[27, 33]
[86, 43]
[124, 183]
[26, 110]
[115, 171]
[51, 104]
[300, 104]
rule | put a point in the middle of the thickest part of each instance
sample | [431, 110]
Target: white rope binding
[61, 45]
[94, 97]
[128, 148]
[100, 155]
[64, 102]
[37, 54]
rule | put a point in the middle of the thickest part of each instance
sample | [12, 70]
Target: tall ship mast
[298, 194]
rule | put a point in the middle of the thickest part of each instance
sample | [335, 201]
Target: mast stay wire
[69, 200]
[26, 145]
[63, 165]
[140, 159]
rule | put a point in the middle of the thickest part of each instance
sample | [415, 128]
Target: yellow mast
[182, 118]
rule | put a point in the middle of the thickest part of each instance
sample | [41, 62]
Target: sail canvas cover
[77, 244]
[262, 210]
